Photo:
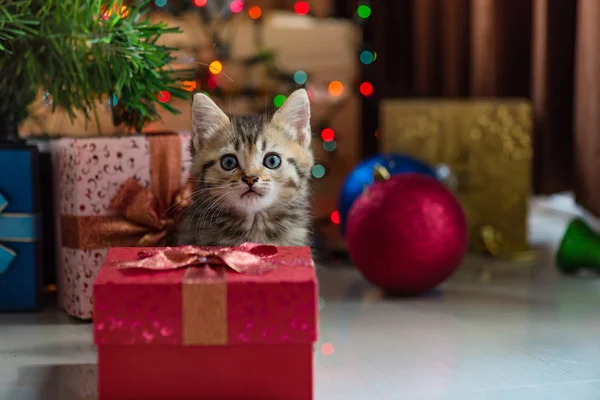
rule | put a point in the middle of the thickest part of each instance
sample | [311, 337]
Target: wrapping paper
[89, 174]
[206, 305]
[487, 144]
[20, 230]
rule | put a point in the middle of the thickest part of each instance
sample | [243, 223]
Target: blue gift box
[20, 246]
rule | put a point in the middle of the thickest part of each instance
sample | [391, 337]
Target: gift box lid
[204, 305]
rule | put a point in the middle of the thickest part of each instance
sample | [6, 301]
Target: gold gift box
[487, 145]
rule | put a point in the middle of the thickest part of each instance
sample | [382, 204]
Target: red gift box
[206, 323]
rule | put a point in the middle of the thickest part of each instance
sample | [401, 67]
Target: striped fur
[223, 214]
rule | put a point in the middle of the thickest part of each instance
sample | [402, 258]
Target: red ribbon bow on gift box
[248, 258]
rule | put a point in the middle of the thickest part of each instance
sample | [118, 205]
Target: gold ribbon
[144, 217]
[204, 291]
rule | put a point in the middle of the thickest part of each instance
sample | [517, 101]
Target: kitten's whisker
[179, 202]
[200, 221]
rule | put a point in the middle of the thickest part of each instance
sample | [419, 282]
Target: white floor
[495, 331]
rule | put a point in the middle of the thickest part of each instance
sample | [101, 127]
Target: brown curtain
[545, 50]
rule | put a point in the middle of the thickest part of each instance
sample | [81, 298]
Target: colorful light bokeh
[200, 3]
[330, 145]
[212, 82]
[318, 171]
[189, 86]
[215, 67]
[366, 89]
[236, 6]
[163, 96]
[255, 12]
[327, 134]
[327, 349]
[301, 7]
[367, 57]
[336, 88]
[279, 100]
[160, 3]
[363, 11]
[335, 217]
[300, 77]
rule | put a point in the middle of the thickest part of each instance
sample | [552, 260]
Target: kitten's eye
[229, 162]
[272, 161]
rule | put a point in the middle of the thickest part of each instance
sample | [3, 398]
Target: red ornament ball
[407, 234]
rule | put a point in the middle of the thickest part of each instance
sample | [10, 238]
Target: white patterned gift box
[88, 175]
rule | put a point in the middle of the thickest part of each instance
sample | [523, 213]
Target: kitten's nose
[250, 179]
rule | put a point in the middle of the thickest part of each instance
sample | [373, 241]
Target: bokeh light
[330, 146]
[318, 171]
[215, 67]
[163, 96]
[189, 86]
[236, 6]
[327, 134]
[279, 100]
[366, 57]
[364, 11]
[301, 7]
[255, 12]
[212, 82]
[200, 3]
[366, 89]
[327, 349]
[335, 217]
[300, 77]
[336, 88]
[160, 3]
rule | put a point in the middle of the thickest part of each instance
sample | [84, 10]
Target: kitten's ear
[294, 117]
[207, 120]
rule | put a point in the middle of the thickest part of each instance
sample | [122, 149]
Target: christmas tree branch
[83, 51]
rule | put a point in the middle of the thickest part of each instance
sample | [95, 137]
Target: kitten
[252, 176]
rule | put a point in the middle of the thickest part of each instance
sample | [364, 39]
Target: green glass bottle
[579, 248]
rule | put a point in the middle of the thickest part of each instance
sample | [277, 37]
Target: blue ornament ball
[362, 176]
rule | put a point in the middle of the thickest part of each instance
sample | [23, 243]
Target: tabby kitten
[252, 176]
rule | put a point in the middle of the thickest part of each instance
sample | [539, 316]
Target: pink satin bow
[248, 258]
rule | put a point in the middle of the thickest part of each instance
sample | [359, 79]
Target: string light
[318, 171]
[215, 67]
[301, 7]
[366, 89]
[163, 96]
[300, 77]
[200, 3]
[160, 3]
[330, 146]
[335, 217]
[279, 100]
[364, 11]
[327, 134]
[336, 88]
[236, 6]
[189, 86]
[255, 12]
[366, 57]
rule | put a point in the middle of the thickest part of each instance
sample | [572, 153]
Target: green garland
[80, 52]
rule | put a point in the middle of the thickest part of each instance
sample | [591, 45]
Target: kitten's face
[252, 163]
